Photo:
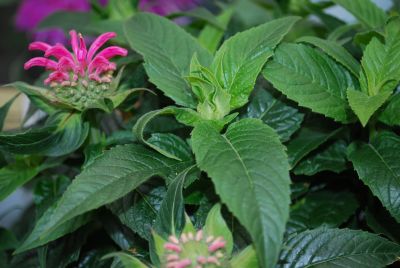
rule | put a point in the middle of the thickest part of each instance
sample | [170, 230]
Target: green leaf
[4, 110]
[249, 162]
[111, 176]
[378, 165]
[333, 158]
[275, 112]
[246, 258]
[391, 113]
[365, 106]
[321, 208]
[381, 62]
[307, 140]
[365, 11]
[66, 20]
[62, 134]
[139, 210]
[211, 35]
[171, 217]
[200, 13]
[311, 78]
[216, 226]
[127, 261]
[167, 50]
[240, 59]
[338, 248]
[381, 222]
[168, 145]
[336, 51]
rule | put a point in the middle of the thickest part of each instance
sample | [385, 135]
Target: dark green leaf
[126, 260]
[111, 176]
[275, 112]
[7, 240]
[4, 111]
[338, 248]
[167, 50]
[311, 78]
[336, 51]
[240, 59]
[321, 208]
[249, 162]
[378, 165]
[333, 158]
[391, 113]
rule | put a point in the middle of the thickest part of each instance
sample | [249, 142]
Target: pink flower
[80, 65]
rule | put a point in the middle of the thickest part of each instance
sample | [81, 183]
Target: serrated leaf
[365, 106]
[139, 210]
[336, 51]
[391, 113]
[240, 59]
[338, 248]
[311, 78]
[307, 140]
[167, 50]
[381, 61]
[378, 165]
[321, 208]
[275, 112]
[111, 176]
[249, 161]
[365, 11]
[62, 134]
[216, 226]
[333, 158]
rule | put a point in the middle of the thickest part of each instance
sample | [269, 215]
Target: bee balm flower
[82, 76]
[194, 250]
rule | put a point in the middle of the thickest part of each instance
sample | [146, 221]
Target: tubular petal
[100, 41]
[112, 51]
[42, 62]
[58, 51]
[74, 41]
[42, 46]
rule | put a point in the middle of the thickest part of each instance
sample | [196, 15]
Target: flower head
[81, 75]
[194, 250]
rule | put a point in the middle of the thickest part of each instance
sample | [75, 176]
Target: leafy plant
[270, 141]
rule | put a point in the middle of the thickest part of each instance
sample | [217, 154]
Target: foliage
[253, 126]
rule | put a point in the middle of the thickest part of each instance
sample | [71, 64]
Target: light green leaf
[365, 11]
[127, 260]
[321, 208]
[336, 51]
[338, 248]
[211, 35]
[167, 50]
[111, 176]
[216, 226]
[4, 111]
[167, 144]
[391, 113]
[246, 258]
[249, 162]
[62, 134]
[365, 106]
[333, 158]
[311, 78]
[240, 59]
[307, 140]
[275, 112]
[378, 166]
[171, 216]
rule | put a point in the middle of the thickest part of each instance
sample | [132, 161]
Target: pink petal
[172, 247]
[82, 51]
[98, 63]
[217, 244]
[58, 51]
[183, 263]
[74, 42]
[56, 76]
[42, 62]
[67, 64]
[112, 51]
[101, 40]
[95, 77]
[39, 46]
